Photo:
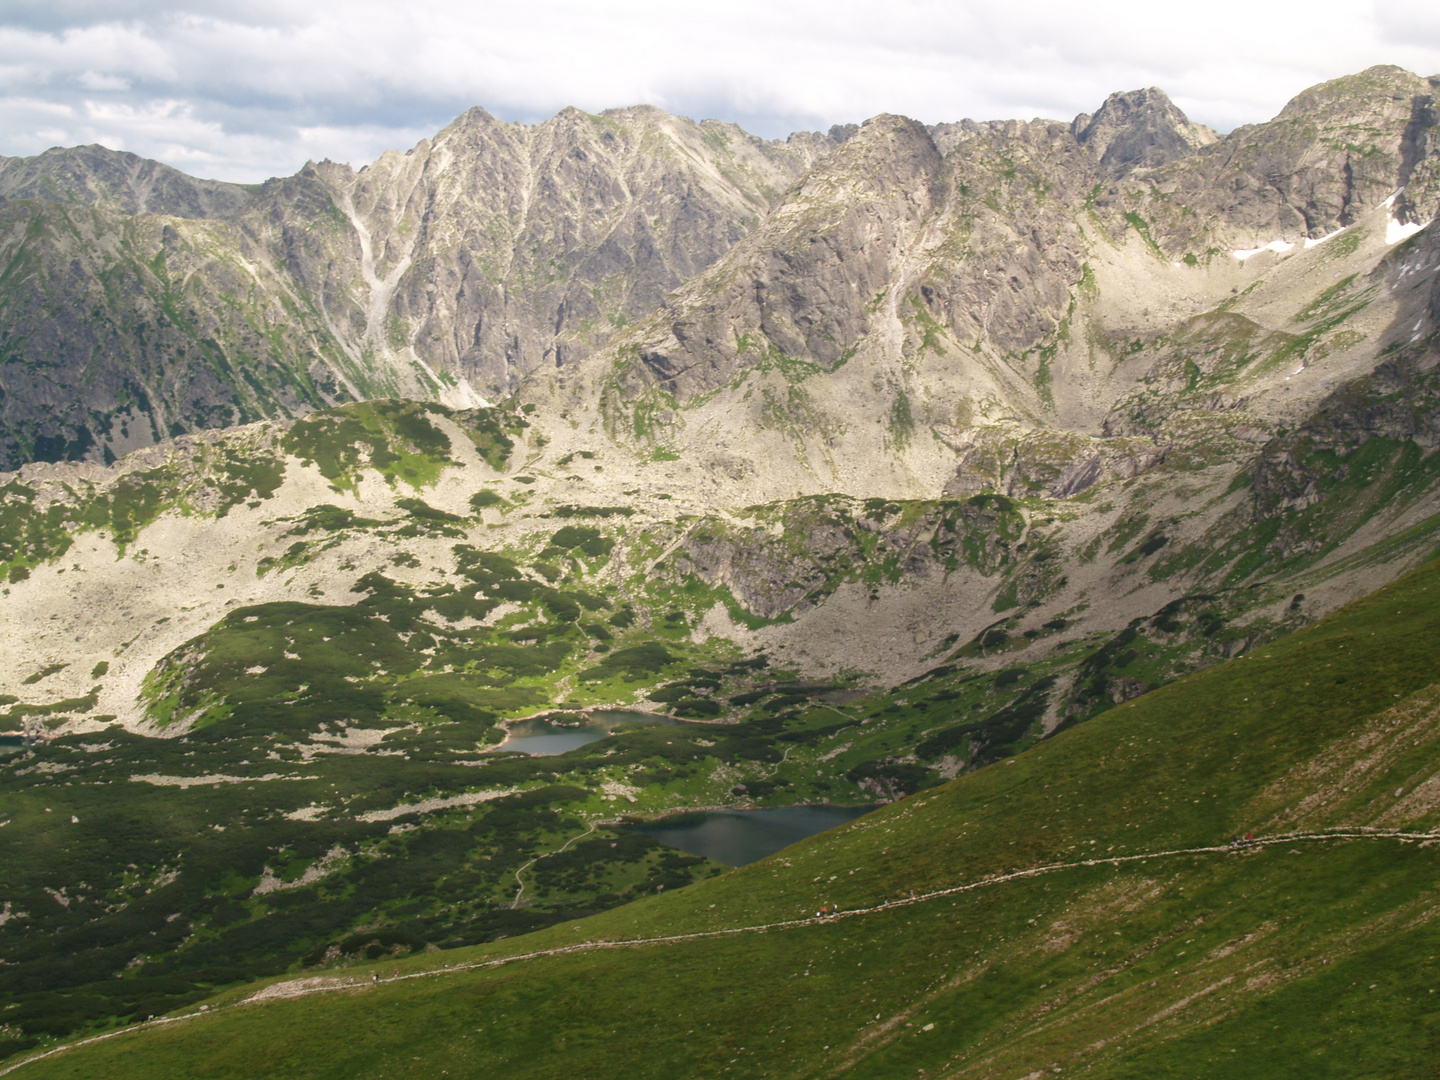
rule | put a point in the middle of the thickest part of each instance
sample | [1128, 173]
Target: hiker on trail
[374, 976]
[397, 973]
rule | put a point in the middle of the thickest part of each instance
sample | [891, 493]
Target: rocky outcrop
[1009, 249]
[805, 285]
[116, 332]
[1139, 129]
[980, 243]
[1333, 153]
[772, 576]
[528, 247]
[1052, 464]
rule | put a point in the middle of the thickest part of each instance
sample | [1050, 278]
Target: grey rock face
[978, 263]
[1012, 250]
[1139, 129]
[1334, 151]
[804, 284]
[993, 217]
[530, 247]
[116, 332]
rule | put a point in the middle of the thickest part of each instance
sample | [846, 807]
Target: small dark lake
[544, 737]
[738, 837]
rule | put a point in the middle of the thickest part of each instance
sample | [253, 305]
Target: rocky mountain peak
[120, 182]
[1376, 90]
[1139, 129]
[803, 284]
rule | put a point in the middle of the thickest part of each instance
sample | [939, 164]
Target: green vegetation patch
[634, 664]
[328, 518]
[486, 498]
[395, 438]
[493, 432]
[572, 511]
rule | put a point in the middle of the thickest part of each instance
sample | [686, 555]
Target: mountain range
[874, 463]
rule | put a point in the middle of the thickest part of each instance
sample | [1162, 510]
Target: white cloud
[94, 80]
[245, 90]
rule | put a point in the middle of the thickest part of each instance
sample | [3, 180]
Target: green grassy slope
[1135, 951]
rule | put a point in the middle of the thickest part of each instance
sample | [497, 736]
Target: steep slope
[1080, 907]
[118, 181]
[138, 303]
[814, 346]
[118, 332]
[531, 245]
[907, 314]
[1332, 154]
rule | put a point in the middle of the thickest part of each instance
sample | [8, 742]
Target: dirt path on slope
[319, 985]
[519, 881]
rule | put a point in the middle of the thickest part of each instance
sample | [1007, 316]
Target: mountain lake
[544, 736]
[738, 837]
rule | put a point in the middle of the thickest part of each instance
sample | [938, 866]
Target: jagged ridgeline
[139, 303]
[827, 470]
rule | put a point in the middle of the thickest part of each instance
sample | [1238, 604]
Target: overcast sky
[246, 89]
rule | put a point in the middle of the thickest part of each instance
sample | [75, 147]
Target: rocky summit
[855, 468]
